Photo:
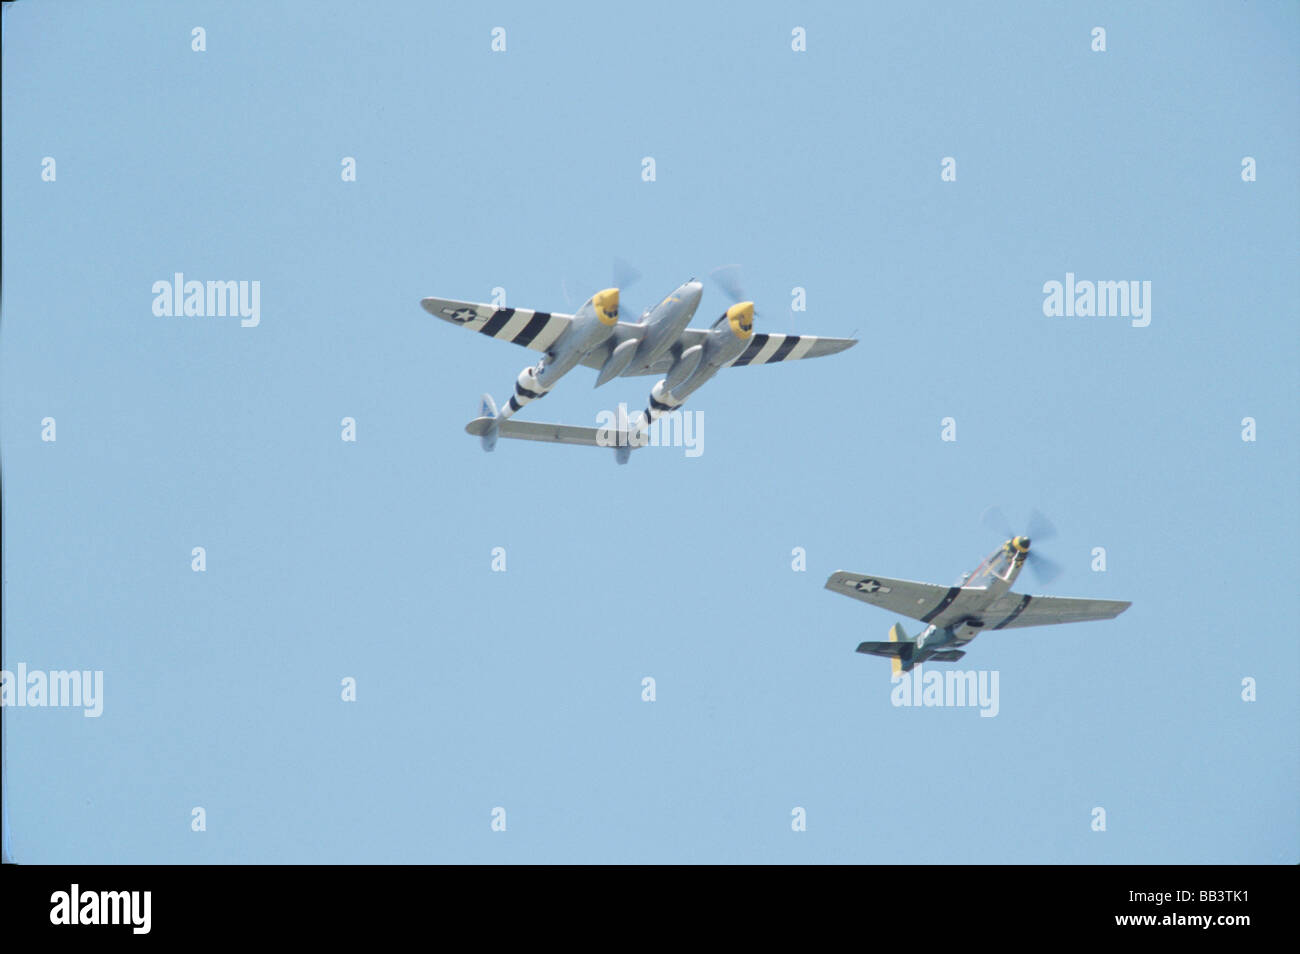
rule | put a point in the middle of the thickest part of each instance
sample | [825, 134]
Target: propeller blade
[1040, 528]
[1045, 570]
[625, 274]
[575, 293]
[727, 278]
[568, 295]
[995, 520]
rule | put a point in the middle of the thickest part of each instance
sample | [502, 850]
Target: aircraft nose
[692, 291]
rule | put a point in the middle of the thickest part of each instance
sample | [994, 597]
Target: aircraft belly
[660, 336]
[966, 603]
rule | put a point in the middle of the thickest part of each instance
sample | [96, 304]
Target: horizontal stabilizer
[892, 650]
[905, 655]
[550, 433]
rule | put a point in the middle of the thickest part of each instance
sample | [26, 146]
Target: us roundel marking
[460, 315]
[870, 586]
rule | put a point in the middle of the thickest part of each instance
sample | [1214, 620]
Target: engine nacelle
[684, 366]
[731, 335]
[618, 360]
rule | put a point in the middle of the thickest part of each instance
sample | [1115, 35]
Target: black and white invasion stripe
[1020, 608]
[770, 348]
[523, 326]
[537, 330]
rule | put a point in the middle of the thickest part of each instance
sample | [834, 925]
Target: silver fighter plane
[957, 614]
[658, 342]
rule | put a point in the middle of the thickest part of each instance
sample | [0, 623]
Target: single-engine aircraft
[659, 342]
[957, 614]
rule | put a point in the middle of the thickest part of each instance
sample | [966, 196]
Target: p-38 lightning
[957, 614]
[658, 342]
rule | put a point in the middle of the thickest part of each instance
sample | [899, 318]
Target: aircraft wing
[928, 602]
[946, 605]
[537, 330]
[1015, 610]
[763, 349]
[769, 349]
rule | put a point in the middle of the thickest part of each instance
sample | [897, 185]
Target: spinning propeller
[727, 277]
[624, 275]
[1038, 529]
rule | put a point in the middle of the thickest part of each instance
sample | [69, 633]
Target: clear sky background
[522, 689]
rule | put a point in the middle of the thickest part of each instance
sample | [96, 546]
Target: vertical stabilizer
[898, 635]
[488, 408]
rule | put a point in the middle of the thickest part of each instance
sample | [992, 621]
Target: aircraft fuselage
[664, 323]
[992, 578]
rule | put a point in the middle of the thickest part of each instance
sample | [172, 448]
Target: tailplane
[900, 650]
[488, 428]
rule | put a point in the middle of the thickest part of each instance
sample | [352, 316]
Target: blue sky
[522, 169]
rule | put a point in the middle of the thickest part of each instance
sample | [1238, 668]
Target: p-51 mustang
[659, 342]
[957, 614]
